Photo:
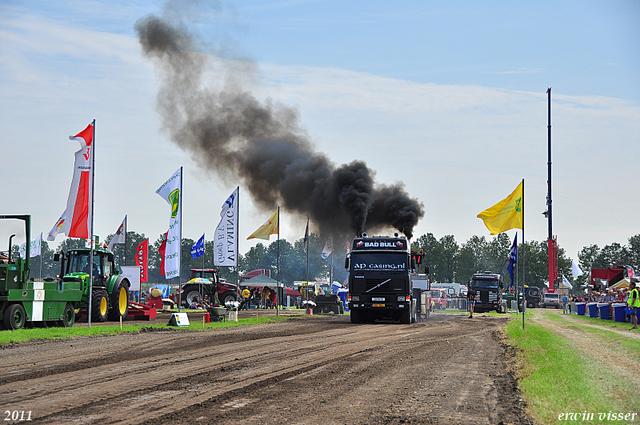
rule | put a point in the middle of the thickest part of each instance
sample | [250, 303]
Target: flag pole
[125, 240]
[93, 173]
[238, 234]
[204, 248]
[180, 248]
[41, 256]
[307, 249]
[278, 263]
[524, 304]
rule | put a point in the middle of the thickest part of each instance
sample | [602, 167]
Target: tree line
[448, 260]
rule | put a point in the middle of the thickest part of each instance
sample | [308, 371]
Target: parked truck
[380, 284]
[26, 303]
[551, 299]
[532, 296]
[488, 288]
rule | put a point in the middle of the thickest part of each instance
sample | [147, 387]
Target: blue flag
[513, 258]
[198, 249]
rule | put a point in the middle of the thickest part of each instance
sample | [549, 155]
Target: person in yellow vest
[246, 294]
[634, 303]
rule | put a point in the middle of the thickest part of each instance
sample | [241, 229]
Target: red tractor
[205, 282]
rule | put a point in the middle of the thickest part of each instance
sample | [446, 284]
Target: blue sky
[447, 97]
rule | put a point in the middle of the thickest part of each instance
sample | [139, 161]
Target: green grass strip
[24, 335]
[620, 342]
[556, 379]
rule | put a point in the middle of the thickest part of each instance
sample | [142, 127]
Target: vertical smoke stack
[232, 135]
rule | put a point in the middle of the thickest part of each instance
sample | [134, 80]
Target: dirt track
[310, 370]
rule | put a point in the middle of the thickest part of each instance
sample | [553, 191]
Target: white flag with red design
[77, 224]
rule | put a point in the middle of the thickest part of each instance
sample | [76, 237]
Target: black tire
[529, 304]
[68, 316]
[228, 296]
[405, 317]
[355, 316]
[99, 305]
[14, 317]
[119, 301]
[190, 295]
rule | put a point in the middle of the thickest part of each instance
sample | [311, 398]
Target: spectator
[272, 299]
[471, 295]
[246, 294]
[565, 305]
[634, 302]
[265, 297]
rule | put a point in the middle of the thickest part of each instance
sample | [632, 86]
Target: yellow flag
[506, 214]
[270, 227]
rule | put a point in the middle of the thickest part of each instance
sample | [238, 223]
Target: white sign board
[133, 274]
[179, 319]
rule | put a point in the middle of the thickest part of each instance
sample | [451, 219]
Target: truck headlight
[401, 297]
[355, 298]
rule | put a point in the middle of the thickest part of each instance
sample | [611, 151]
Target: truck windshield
[483, 283]
[379, 261]
[551, 296]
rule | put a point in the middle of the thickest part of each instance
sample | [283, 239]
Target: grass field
[573, 372]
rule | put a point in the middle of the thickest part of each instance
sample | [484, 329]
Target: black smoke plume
[232, 135]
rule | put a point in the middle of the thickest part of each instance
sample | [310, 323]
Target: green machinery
[110, 289]
[58, 302]
[23, 301]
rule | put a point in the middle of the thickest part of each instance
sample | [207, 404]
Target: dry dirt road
[308, 370]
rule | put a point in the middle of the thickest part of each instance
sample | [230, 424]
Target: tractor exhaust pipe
[10, 239]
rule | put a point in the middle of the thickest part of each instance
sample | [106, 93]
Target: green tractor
[110, 289]
[29, 303]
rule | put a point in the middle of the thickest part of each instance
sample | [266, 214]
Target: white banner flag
[170, 191]
[225, 241]
[57, 228]
[576, 270]
[79, 205]
[120, 236]
[35, 248]
[328, 248]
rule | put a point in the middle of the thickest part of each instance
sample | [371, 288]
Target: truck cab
[551, 299]
[488, 288]
[380, 284]
[532, 296]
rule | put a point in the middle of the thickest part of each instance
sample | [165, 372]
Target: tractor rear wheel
[119, 303]
[99, 305]
[68, 316]
[228, 297]
[191, 295]
[14, 317]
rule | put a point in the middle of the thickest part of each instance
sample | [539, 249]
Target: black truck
[380, 285]
[488, 289]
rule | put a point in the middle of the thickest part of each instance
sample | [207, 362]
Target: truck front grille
[361, 286]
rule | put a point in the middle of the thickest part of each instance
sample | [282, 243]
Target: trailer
[25, 302]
